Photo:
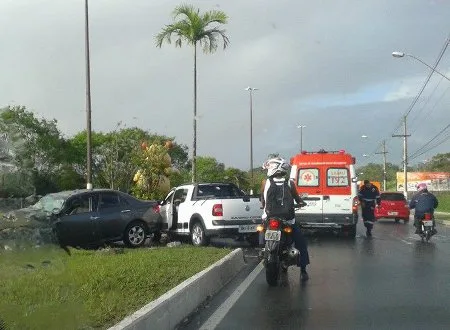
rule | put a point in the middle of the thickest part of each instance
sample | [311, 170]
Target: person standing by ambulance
[369, 197]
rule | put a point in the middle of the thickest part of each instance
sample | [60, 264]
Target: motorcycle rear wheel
[272, 273]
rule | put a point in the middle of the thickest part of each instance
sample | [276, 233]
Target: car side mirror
[355, 180]
[246, 198]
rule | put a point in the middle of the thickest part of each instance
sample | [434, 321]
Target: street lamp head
[251, 89]
[364, 136]
[398, 54]
[301, 126]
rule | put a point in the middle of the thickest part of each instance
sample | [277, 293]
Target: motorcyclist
[369, 196]
[277, 169]
[423, 202]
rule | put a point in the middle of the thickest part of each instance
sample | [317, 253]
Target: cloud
[325, 63]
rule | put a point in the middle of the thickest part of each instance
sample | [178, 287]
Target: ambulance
[327, 182]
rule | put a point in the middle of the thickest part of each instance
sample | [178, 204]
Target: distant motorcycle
[278, 253]
[426, 226]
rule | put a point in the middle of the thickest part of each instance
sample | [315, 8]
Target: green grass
[90, 289]
[444, 202]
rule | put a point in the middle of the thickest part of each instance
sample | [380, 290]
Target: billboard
[436, 181]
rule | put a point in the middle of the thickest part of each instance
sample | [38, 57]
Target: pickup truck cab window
[217, 191]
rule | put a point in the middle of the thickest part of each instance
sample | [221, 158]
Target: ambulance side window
[308, 177]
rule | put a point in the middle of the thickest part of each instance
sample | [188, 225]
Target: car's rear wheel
[135, 234]
[397, 220]
[405, 220]
[198, 235]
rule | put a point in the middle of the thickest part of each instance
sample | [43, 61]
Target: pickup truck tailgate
[239, 211]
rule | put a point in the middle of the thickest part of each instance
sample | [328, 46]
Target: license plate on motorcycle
[427, 223]
[273, 235]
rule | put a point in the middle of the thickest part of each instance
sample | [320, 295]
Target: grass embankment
[47, 289]
[444, 202]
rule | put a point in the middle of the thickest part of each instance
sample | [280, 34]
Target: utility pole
[405, 155]
[88, 100]
[384, 152]
[251, 90]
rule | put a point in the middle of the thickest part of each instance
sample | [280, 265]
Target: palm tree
[194, 28]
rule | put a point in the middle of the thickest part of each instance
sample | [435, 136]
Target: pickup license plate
[273, 235]
[427, 223]
[247, 228]
[392, 213]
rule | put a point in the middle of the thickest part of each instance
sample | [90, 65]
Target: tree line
[36, 158]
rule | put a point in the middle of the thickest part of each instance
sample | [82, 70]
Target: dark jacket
[423, 202]
[369, 196]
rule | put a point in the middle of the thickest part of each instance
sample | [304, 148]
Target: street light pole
[88, 101]
[384, 152]
[250, 90]
[301, 136]
[405, 156]
[401, 54]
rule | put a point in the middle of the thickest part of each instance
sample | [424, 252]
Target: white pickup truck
[204, 210]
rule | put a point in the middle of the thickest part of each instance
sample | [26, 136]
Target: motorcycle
[278, 253]
[426, 226]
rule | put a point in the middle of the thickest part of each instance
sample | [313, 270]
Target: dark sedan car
[91, 217]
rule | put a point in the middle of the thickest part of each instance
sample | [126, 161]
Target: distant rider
[423, 202]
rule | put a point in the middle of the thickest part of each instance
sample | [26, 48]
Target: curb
[174, 306]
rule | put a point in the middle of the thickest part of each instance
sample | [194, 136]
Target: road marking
[223, 309]
[406, 242]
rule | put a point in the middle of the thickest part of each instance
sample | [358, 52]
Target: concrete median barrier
[174, 306]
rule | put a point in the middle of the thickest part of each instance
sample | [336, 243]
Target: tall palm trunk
[194, 144]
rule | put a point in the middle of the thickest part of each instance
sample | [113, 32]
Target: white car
[211, 209]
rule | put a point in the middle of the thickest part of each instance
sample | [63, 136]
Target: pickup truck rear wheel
[198, 235]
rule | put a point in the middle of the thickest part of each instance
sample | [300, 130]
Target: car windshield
[392, 197]
[50, 203]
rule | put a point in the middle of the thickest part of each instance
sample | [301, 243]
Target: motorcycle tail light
[287, 230]
[274, 224]
[259, 228]
[427, 216]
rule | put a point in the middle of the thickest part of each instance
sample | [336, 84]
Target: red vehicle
[393, 206]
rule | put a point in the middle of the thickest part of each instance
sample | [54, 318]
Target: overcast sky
[325, 64]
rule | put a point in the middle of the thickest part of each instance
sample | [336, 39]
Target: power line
[416, 99]
[417, 114]
[431, 148]
[444, 48]
[434, 138]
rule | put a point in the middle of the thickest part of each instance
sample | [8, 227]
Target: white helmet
[276, 166]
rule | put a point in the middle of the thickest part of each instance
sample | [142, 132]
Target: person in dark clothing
[423, 202]
[277, 169]
[369, 197]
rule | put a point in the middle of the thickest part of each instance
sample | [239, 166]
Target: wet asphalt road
[389, 281]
